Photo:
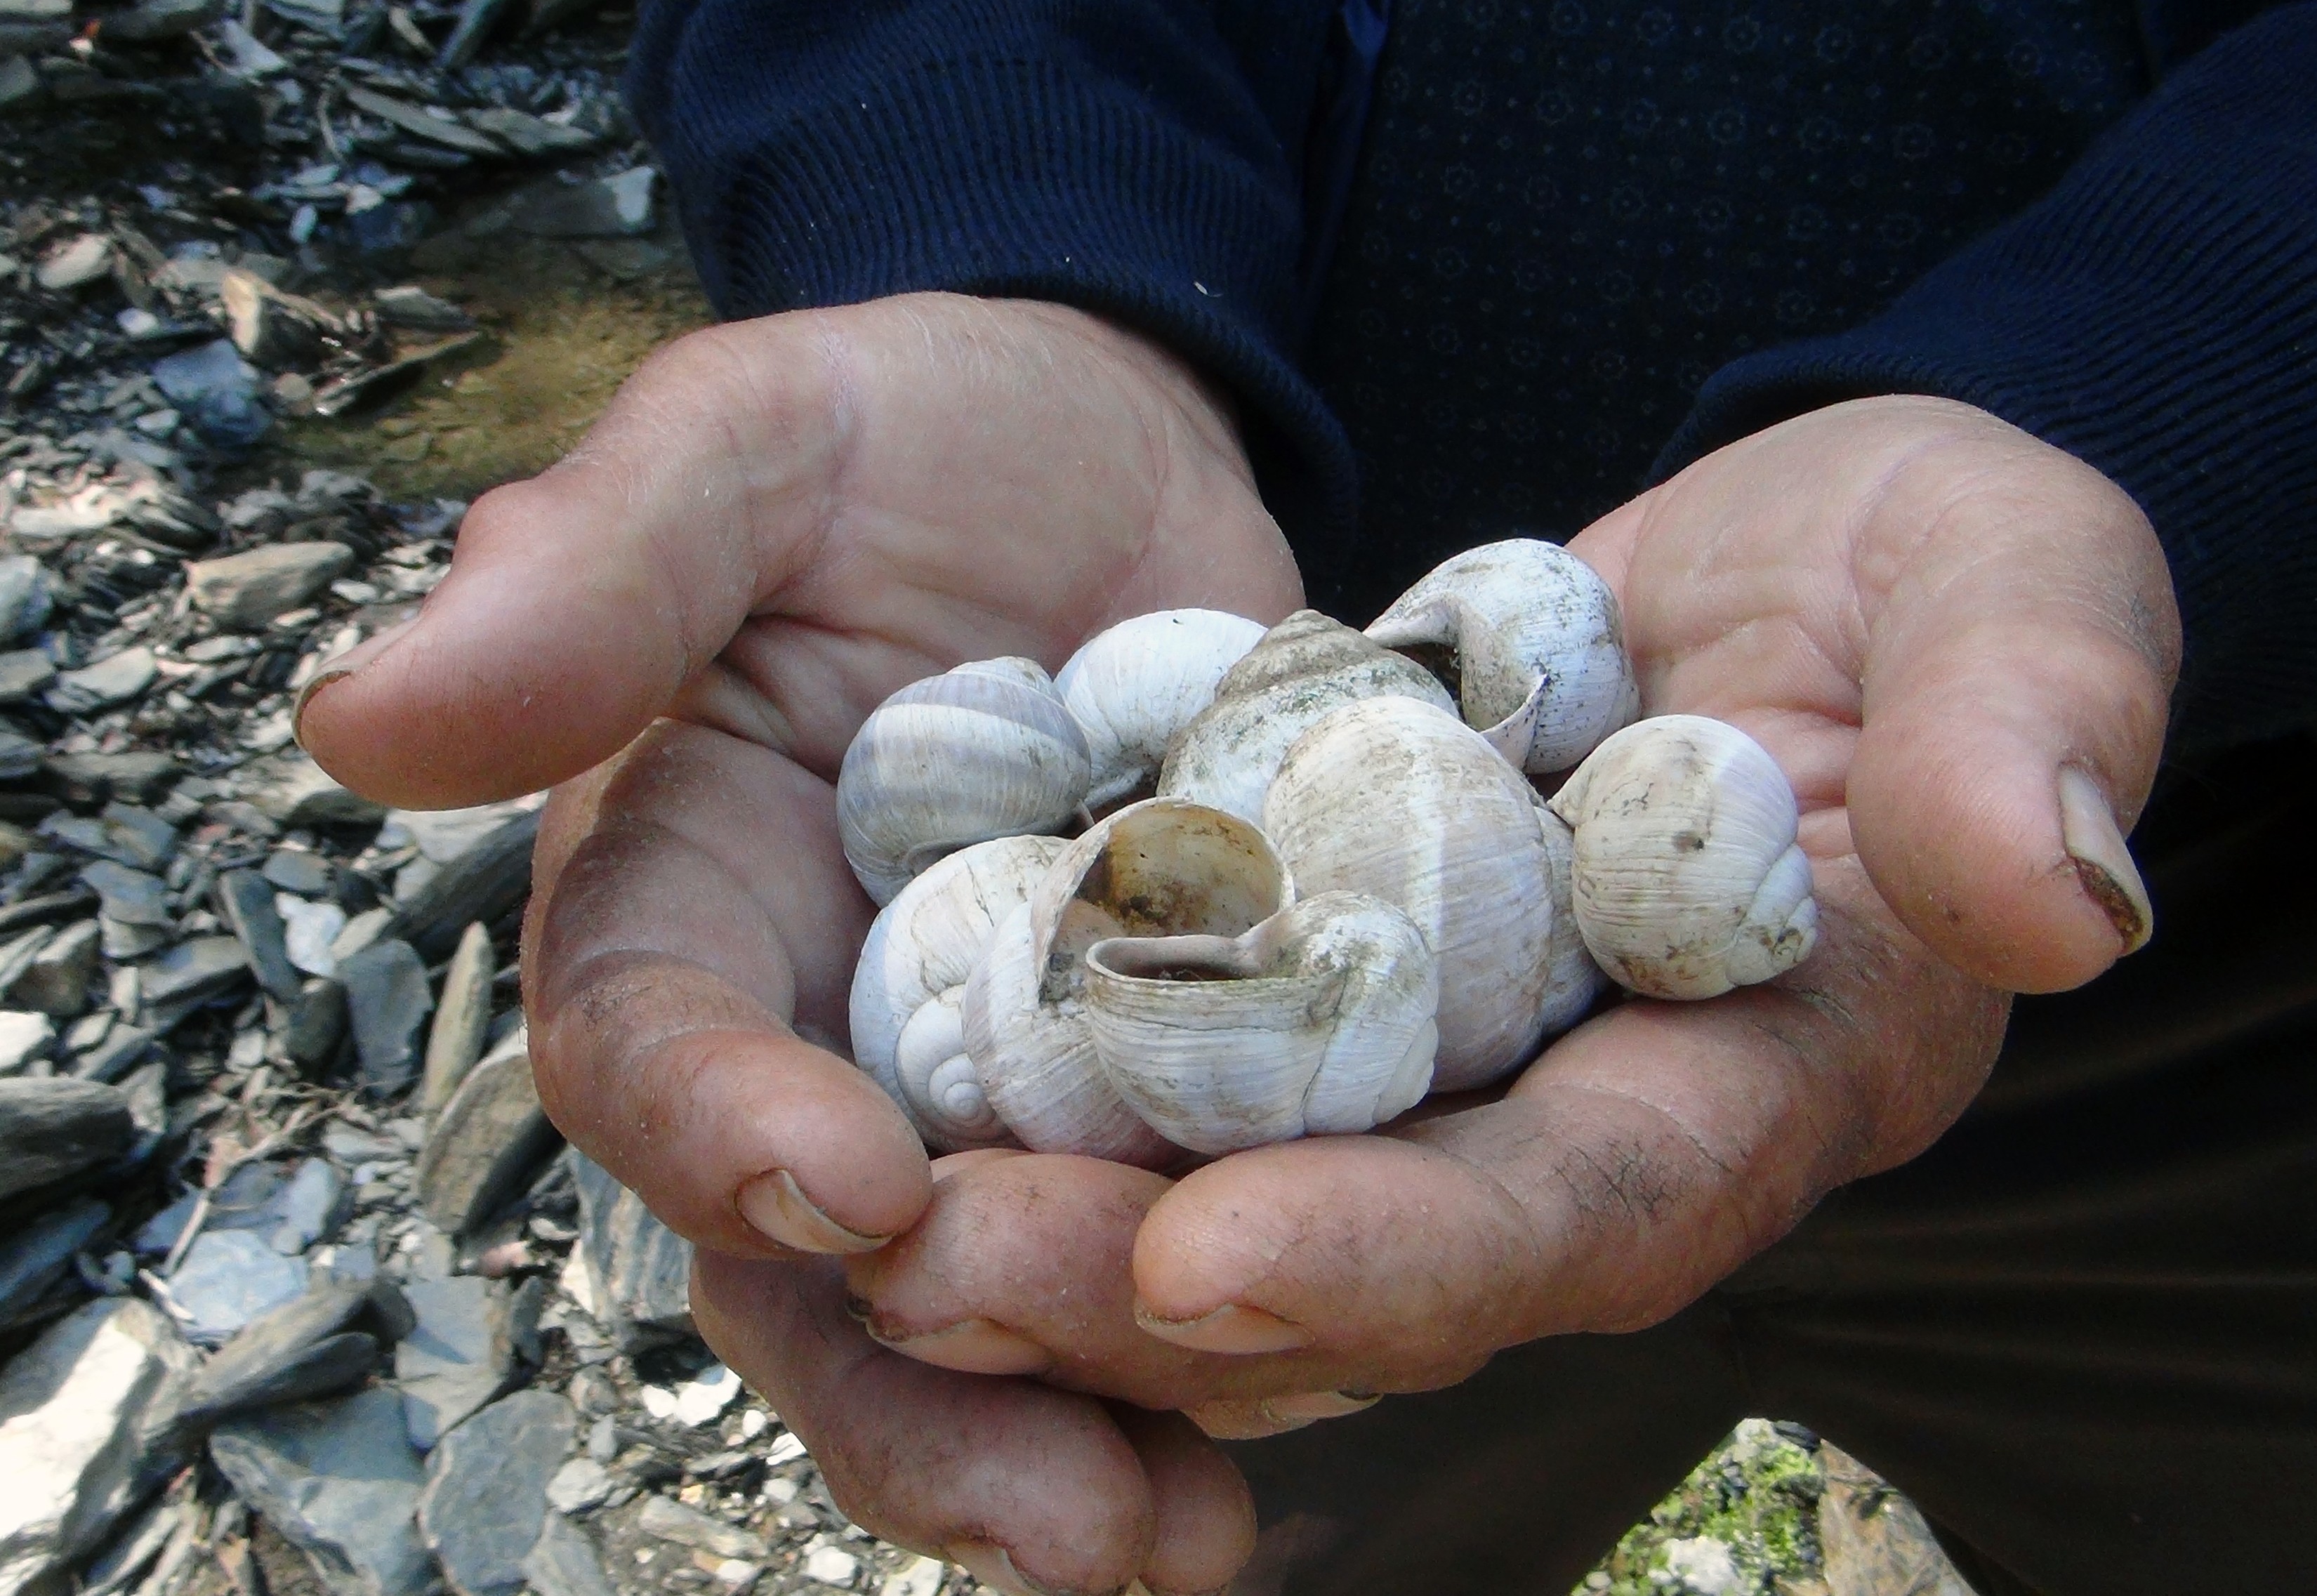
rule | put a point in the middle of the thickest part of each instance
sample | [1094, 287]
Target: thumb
[581, 602]
[2015, 694]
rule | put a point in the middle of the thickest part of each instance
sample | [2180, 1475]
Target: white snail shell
[1402, 800]
[1162, 867]
[1688, 879]
[1134, 686]
[1303, 668]
[908, 987]
[1537, 646]
[982, 751]
[1573, 979]
[1317, 1020]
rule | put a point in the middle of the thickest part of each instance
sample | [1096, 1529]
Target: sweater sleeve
[1138, 158]
[2155, 315]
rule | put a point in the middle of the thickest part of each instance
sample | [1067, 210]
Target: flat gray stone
[27, 592]
[487, 1144]
[341, 1482]
[126, 833]
[302, 1349]
[84, 1432]
[308, 931]
[190, 974]
[294, 870]
[486, 1497]
[227, 1278]
[51, 1128]
[248, 899]
[613, 207]
[24, 672]
[56, 983]
[461, 1355]
[302, 795]
[35, 1257]
[563, 1561]
[23, 1037]
[114, 679]
[665, 1520]
[131, 897]
[480, 882]
[580, 1486]
[87, 781]
[20, 755]
[387, 1001]
[637, 1271]
[463, 1018]
[246, 591]
[307, 1206]
[76, 262]
[318, 1024]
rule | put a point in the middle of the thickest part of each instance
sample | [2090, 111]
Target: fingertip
[2007, 862]
[1207, 1524]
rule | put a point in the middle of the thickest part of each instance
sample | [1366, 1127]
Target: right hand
[777, 523]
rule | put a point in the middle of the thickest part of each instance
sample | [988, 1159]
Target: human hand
[1959, 643]
[777, 524]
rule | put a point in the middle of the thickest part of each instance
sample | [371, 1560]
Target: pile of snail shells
[1218, 885]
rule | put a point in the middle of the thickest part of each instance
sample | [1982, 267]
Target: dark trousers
[2080, 1331]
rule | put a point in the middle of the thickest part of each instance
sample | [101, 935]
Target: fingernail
[993, 1565]
[341, 667]
[2103, 864]
[776, 1204]
[970, 1347]
[1312, 1406]
[1231, 1328]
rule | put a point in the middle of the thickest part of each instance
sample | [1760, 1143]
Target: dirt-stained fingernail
[993, 1565]
[340, 666]
[2104, 865]
[1309, 1407]
[1233, 1328]
[777, 1206]
[970, 1347]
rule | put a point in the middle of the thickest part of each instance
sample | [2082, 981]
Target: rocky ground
[298, 1289]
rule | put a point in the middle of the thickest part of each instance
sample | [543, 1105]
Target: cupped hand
[777, 524]
[1959, 643]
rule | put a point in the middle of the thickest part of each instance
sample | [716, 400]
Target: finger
[1020, 1265]
[581, 601]
[1029, 1488]
[695, 913]
[1646, 1156]
[2015, 694]
[1205, 1529]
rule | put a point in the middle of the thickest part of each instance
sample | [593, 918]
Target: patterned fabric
[1572, 212]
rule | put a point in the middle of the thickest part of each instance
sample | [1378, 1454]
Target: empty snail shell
[1402, 800]
[1573, 980]
[1163, 868]
[1303, 668]
[1317, 1020]
[1688, 879]
[1532, 637]
[985, 751]
[909, 984]
[1134, 686]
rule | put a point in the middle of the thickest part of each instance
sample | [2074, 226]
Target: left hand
[1959, 643]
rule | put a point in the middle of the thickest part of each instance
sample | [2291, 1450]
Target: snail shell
[909, 984]
[1402, 800]
[1688, 879]
[1163, 868]
[1317, 1020]
[1303, 668]
[985, 751]
[1136, 685]
[1532, 637]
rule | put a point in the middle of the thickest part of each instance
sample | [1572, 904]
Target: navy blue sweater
[1489, 268]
